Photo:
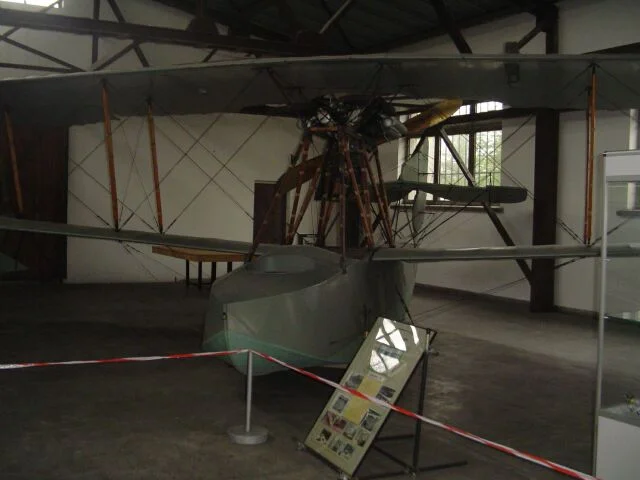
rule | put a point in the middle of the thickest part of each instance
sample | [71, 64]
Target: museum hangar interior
[243, 213]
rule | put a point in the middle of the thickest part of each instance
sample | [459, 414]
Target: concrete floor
[517, 378]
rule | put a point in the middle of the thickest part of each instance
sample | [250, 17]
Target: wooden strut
[267, 216]
[296, 199]
[343, 219]
[14, 162]
[108, 142]
[356, 191]
[263, 226]
[321, 214]
[591, 133]
[329, 211]
[305, 203]
[385, 201]
[154, 163]
[364, 180]
[326, 205]
[384, 213]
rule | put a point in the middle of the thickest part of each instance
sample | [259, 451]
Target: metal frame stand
[247, 434]
[414, 467]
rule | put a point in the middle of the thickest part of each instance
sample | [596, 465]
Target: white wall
[222, 208]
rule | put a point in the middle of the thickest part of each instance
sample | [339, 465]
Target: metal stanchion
[246, 434]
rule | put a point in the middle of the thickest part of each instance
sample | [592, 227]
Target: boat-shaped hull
[302, 308]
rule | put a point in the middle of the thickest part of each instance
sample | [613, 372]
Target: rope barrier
[570, 472]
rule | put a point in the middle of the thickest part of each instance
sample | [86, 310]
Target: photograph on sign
[348, 424]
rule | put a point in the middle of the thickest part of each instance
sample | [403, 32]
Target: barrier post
[246, 434]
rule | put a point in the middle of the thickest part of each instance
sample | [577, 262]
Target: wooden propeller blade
[436, 114]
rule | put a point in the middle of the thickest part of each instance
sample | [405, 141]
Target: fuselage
[300, 306]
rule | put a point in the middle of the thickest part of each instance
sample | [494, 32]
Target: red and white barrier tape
[461, 433]
[13, 366]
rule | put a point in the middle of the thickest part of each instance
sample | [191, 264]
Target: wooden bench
[200, 256]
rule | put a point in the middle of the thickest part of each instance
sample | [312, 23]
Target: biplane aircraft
[311, 304]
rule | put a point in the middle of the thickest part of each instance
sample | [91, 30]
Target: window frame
[470, 128]
[26, 5]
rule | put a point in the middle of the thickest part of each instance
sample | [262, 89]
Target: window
[35, 3]
[479, 145]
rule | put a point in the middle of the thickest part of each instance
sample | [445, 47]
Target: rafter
[450, 25]
[118, 13]
[234, 21]
[428, 33]
[146, 33]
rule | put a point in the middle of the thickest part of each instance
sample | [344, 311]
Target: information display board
[347, 426]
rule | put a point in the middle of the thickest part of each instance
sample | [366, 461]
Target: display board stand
[347, 428]
[413, 467]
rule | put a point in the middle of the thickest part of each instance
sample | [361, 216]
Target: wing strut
[108, 142]
[154, 162]
[344, 143]
[591, 131]
[8, 125]
[524, 266]
[303, 148]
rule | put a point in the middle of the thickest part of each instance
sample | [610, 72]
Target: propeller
[304, 171]
[436, 114]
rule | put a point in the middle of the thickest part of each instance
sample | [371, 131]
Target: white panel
[221, 208]
[575, 286]
[617, 454]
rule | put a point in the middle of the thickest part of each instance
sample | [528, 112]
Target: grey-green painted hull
[300, 307]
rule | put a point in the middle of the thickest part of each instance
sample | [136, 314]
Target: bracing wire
[212, 178]
[491, 158]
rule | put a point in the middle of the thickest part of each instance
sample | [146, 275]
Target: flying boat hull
[301, 307]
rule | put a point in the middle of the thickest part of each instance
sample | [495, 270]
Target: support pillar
[545, 205]
[545, 187]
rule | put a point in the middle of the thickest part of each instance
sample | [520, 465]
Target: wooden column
[545, 191]
[545, 204]
[108, 142]
[17, 186]
[154, 163]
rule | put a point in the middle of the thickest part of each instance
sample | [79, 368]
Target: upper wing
[458, 193]
[544, 81]
[380, 255]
